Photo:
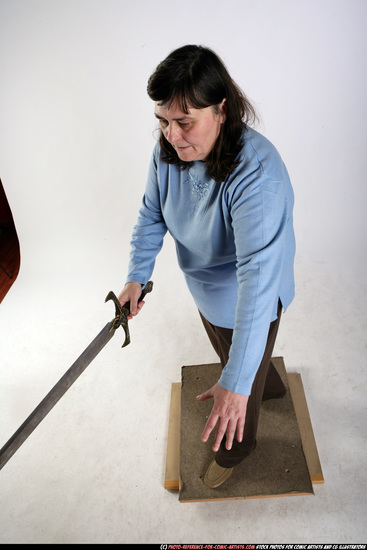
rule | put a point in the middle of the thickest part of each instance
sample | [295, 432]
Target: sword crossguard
[122, 312]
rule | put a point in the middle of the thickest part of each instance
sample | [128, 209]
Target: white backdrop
[76, 134]
[76, 123]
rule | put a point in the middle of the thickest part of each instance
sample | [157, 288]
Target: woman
[222, 191]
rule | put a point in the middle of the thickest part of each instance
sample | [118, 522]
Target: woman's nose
[173, 133]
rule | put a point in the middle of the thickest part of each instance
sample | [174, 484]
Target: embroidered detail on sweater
[198, 188]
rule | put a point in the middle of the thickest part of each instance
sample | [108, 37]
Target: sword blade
[54, 395]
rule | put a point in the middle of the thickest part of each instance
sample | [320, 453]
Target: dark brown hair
[197, 77]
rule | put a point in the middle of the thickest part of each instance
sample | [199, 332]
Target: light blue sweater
[235, 245]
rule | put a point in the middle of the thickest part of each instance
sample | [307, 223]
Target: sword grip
[148, 288]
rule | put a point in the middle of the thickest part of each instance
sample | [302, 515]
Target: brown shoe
[216, 475]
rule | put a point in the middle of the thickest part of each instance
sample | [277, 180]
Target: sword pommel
[122, 312]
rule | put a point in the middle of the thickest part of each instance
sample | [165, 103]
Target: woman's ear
[223, 109]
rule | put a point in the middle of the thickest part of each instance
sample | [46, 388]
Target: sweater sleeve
[259, 211]
[149, 231]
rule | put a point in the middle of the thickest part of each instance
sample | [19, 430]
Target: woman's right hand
[131, 293]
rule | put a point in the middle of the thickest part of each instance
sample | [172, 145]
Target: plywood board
[304, 426]
[172, 475]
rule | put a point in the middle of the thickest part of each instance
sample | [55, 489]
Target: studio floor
[93, 471]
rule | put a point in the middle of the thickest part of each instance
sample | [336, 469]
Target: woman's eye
[164, 124]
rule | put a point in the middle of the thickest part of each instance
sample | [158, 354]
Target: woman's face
[191, 134]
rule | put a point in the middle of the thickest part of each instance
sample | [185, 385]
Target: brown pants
[267, 384]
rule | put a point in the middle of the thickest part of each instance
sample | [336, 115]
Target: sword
[71, 375]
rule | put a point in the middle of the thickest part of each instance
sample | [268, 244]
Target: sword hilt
[122, 312]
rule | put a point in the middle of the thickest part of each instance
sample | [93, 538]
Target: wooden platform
[298, 405]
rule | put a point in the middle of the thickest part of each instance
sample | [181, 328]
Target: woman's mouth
[182, 148]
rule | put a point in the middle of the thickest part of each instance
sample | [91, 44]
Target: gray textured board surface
[276, 467]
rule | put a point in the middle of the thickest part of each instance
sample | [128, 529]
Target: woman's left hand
[229, 410]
